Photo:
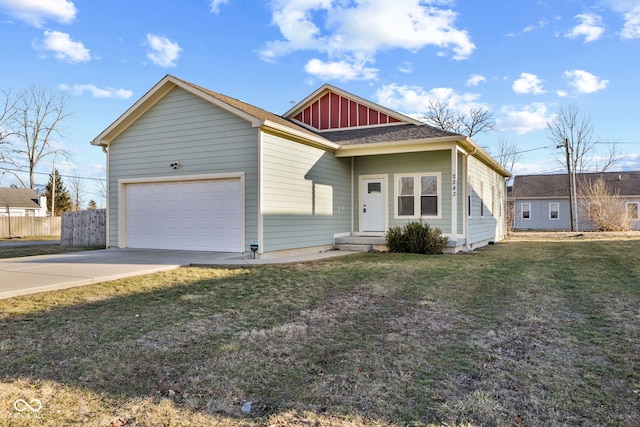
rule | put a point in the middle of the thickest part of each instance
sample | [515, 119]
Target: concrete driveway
[20, 276]
[28, 275]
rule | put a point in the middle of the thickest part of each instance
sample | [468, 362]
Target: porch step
[361, 243]
[360, 240]
[353, 247]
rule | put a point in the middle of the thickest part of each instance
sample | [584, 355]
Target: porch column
[454, 192]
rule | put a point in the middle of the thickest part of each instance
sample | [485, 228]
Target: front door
[373, 205]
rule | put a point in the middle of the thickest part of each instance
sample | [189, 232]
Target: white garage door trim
[122, 200]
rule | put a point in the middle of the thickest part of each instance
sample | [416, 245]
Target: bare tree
[606, 209]
[477, 120]
[37, 122]
[613, 157]
[76, 190]
[571, 130]
[7, 111]
[508, 155]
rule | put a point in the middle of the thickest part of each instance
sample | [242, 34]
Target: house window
[526, 210]
[632, 210]
[418, 195]
[554, 209]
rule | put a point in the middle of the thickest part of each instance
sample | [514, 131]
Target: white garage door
[190, 215]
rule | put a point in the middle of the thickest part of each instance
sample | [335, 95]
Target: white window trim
[522, 210]
[557, 210]
[637, 209]
[416, 195]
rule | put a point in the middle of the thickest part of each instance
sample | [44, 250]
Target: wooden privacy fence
[29, 226]
[84, 228]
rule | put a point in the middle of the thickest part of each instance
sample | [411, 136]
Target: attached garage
[202, 215]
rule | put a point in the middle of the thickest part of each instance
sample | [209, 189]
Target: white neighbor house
[189, 168]
[21, 202]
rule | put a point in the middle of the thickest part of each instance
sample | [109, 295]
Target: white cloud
[585, 82]
[340, 70]
[528, 83]
[590, 28]
[524, 120]
[36, 12]
[475, 80]
[215, 5]
[356, 31]
[406, 67]
[415, 99]
[630, 11]
[562, 93]
[164, 52]
[541, 24]
[97, 92]
[63, 47]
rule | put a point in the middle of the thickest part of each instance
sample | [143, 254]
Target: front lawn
[522, 333]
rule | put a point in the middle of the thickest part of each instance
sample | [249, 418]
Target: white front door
[373, 205]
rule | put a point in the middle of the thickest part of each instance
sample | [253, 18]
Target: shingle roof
[389, 133]
[252, 110]
[405, 132]
[557, 185]
[18, 198]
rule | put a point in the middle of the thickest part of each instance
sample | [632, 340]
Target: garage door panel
[190, 215]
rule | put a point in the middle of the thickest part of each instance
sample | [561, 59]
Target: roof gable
[18, 198]
[254, 115]
[331, 109]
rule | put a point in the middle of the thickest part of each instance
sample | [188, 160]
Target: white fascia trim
[303, 135]
[395, 147]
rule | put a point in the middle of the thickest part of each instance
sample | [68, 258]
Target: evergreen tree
[63, 201]
[92, 206]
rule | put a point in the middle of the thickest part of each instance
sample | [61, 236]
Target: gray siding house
[189, 168]
[541, 202]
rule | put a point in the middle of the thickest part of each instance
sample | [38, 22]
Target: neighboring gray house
[541, 202]
[21, 202]
[193, 169]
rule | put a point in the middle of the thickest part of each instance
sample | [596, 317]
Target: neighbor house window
[554, 209]
[632, 210]
[526, 210]
[418, 195]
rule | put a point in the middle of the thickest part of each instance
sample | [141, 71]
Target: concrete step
[353, 248]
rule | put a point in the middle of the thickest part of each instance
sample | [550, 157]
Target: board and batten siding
[393, 165]
[202, 137]
[488, 203]
[306, 195]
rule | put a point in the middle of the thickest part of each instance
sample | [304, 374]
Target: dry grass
[524, 333]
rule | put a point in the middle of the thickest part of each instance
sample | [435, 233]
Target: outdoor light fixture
[254, 248]
[175, 165]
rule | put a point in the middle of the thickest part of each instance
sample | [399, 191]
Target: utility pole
[570, 181]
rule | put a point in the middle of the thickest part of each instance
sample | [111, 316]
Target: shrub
[416, 237]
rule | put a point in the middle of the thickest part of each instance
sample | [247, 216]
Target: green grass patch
[529, 332]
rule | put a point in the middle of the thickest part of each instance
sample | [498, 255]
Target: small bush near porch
[416, 237]
[528, 332]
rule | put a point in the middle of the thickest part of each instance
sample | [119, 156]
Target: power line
[58, 174]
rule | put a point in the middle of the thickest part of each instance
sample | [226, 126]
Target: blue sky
[523, 60]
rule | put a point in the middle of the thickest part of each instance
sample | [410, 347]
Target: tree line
[31, 129]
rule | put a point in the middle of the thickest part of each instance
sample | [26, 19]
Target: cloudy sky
[523, 60]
